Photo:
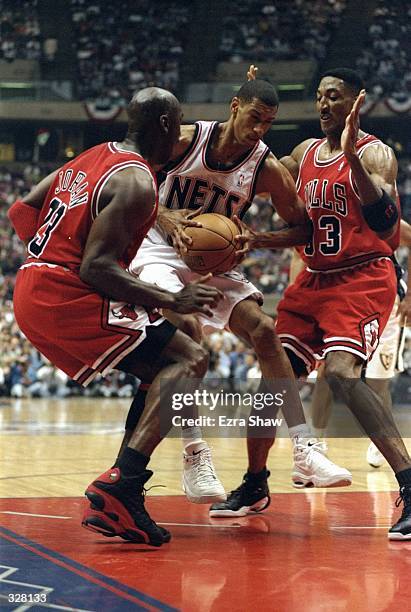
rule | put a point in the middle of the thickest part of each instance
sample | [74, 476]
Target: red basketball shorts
[337, 311]
[78, 330]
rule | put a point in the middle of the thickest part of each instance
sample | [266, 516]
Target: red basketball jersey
[72, 203]
[341, 236]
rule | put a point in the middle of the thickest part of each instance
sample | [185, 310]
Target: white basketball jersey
[193, 182]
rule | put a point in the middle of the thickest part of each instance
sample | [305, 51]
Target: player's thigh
[160, 350]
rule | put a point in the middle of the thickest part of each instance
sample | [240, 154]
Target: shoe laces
[203, 465]
[136, 501]
[303, 445]
[404, 498]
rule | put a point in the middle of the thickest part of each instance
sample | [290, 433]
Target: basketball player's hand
[181, 240]
[174, 222]
[244, 239]
[252, 73]
[197, 297]
[404, 311]
[352, 125]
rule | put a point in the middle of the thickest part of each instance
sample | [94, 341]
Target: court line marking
[30, 514]
[203, 524]
[143, 600]
[362, 527]
[52, 516]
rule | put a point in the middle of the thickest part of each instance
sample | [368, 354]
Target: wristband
[24, 219]
[382, 215]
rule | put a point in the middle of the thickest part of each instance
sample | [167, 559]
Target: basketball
[212, 249]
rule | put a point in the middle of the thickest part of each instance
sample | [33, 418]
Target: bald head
[149, 104]
[154, 116]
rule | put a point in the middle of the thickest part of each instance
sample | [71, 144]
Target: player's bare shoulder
[128, 187]
[293, 161]
[298, 152]
[271, 172]
[380, 159]
[187, 134]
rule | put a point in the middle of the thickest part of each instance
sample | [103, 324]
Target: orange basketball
[212, 249]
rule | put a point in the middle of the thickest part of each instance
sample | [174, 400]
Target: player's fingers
[206, 290]
[202, 279]
[240, 239]
[252, 72]
[241, 252]
[178, 244]
[190, 223]
[238, 223]
[194, 213]
[183, 237]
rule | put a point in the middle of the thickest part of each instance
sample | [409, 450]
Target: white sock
[300, 431]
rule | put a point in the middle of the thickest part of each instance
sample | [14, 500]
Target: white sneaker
[200, 482]
[374, 457]
[312, 468]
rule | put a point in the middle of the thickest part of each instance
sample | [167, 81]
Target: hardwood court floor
[311, 550]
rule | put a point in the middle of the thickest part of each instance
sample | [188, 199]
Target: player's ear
[165, 123]
[235, 103]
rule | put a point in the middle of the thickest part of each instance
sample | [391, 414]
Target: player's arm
[405, 240]
[374, 176]
[171, 221]
[127, 204]
[276, 180]
[297, 265]
[292, 162]
[24, 213]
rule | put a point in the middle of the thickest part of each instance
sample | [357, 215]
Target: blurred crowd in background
[256, 30]
[131, 46]
[125, 45]
[385, 59]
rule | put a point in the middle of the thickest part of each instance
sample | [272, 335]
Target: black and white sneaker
[402, 528]
[250, 497]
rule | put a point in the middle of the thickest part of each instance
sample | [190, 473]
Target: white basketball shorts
[157, 263]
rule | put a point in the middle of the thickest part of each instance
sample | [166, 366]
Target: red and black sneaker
[117, 509]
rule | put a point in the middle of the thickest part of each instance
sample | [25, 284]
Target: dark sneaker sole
[112, 518]
[101, 523]
[257, 507]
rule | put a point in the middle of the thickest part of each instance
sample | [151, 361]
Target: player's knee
[263, 336]
[196, 363]
[192, 327]
[336, 369]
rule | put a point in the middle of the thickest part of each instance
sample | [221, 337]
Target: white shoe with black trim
[200, 481]
[312, 468]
